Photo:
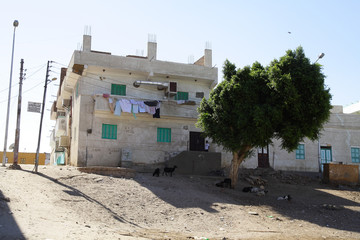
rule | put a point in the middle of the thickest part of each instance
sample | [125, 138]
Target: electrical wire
[27, 77]
[27, 90]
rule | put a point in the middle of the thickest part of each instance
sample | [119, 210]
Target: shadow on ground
[75, 192]
[313, 202]
[8, 226]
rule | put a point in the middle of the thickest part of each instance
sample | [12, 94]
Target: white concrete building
[158, 102]
[339, 143]
[353, 108]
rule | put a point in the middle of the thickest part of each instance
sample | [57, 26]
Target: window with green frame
[109, 131]
[164, 135]
[300, 151]
[355, 155]
[182, 96]
[118, 89]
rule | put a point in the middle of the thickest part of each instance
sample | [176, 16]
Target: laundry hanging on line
[133, 106]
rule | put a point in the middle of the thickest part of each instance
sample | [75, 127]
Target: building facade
[136, 111]
[128, 110]
[339, 143]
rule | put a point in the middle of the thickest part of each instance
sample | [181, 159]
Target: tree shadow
[75, 192]
[8, 225]
[178, 191]
[313, 202]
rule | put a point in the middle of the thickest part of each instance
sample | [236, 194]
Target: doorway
[197, 141]
[263, 157]
[326, 156]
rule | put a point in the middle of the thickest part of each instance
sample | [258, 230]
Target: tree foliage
[286, 100]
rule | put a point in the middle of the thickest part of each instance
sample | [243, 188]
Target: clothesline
[106, 95]
[181, 102]
[119, 105]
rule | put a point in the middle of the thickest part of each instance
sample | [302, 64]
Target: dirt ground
[63, 203]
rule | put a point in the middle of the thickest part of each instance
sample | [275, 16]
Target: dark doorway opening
[197, 141]
[263, 157]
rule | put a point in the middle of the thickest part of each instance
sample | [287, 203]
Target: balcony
[168, 108]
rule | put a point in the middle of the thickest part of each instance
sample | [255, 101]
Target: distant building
[353, 108]
[339, 143]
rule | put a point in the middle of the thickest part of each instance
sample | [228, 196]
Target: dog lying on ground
[169, 170]
[259, 191]
[156, 172]
[247, 189]
[224, 184]
[286, 197]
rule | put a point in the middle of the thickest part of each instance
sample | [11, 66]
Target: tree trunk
[238, 157]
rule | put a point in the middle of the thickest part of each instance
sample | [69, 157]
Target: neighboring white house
[339, 143]
[352, 108]
[137, 111]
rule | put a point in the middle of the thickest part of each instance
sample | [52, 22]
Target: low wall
[196, 162]
[341, 173]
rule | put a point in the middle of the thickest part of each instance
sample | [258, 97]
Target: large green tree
[286, 100]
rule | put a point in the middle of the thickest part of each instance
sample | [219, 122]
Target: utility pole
[15, 24]
[17, 131]
[42, 114]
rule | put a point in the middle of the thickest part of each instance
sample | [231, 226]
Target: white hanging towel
[125, 105]
[117, 110]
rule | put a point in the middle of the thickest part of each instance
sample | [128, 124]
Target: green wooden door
[326, 156]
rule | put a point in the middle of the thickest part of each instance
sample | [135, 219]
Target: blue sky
[241, 31]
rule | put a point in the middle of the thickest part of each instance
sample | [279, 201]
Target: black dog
[156, 172]
[169, 170]
[247, 189]
[224, 184]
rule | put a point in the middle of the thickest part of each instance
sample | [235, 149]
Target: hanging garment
[157, 113]
[125, 105]
[117, 110]
[135, 108]
[111, 105]
[141, 106]
[152, 110]
[151, 103]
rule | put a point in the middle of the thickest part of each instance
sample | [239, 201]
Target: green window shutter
[355, 155]
[300, 151]
[164, 135]
[117, 89]
[109, 131]
[182, 96]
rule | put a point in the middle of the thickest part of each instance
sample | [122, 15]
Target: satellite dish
[11, 147]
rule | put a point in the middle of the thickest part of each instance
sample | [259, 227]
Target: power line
[28, 77]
